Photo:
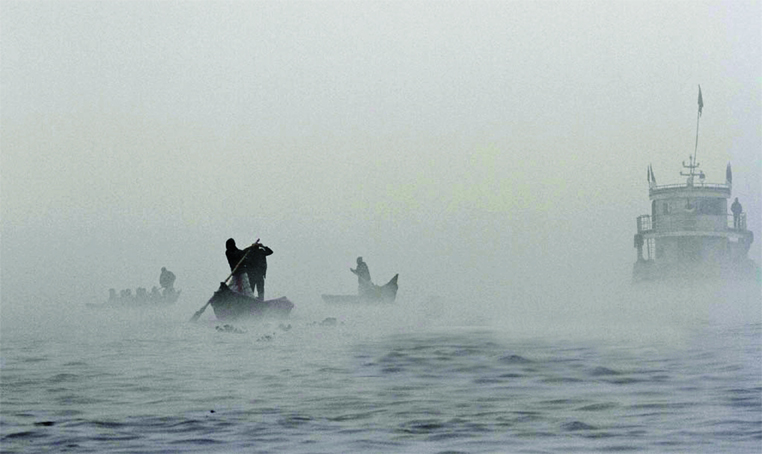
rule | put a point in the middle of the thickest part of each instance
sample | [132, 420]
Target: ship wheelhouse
[690, 233]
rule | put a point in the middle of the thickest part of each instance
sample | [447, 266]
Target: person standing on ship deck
[737, 209]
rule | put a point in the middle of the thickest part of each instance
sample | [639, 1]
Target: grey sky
[477, 148]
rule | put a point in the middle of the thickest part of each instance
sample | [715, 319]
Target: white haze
[493, 154]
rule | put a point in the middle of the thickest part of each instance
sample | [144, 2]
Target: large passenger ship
[693, 231]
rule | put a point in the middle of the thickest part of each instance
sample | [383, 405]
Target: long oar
[201, 311]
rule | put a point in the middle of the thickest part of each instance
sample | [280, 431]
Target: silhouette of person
[736, 209]
[167, 280]
[235, 258]
[256, 267]
[363, 277]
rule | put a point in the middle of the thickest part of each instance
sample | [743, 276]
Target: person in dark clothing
[363, 277]
[234, 256]
[167, 281]
[256, 267]
[237, 264]
[736, 209]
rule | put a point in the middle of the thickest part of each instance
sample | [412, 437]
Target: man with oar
[364, 284]
[234, 268]
[254, 268]
[239, 265]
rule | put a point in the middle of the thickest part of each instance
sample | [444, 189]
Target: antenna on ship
[693, 164]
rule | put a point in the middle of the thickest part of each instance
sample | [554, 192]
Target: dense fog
[493, 154]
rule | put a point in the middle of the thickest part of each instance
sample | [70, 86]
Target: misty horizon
[480, 150]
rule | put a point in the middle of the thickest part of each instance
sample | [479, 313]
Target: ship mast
[693, 164]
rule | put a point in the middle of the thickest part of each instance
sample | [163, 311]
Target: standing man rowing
[251, 262]
[256, 267]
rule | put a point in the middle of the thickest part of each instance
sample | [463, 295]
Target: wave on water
[411, 378]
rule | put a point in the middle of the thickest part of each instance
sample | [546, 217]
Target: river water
[409, 378]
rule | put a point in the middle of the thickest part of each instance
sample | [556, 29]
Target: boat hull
[138, 302]
[229, 305]
[650, 271]
[378, 295]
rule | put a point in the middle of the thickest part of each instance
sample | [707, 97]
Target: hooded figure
[234, 255]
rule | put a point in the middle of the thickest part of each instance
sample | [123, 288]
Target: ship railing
[673, 223]
[644, 223]
[741, 222]
[695, 185]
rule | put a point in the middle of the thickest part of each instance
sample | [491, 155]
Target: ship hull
[651, 271]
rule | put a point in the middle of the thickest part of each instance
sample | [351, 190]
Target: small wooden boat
[386, 293]
[141, 300]
[230, 305]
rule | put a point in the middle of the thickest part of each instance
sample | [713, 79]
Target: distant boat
[229, 305]
[689, 234]
[386, 293]
[141, 299]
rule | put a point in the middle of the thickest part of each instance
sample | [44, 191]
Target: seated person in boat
[167, 281]
[141, 293]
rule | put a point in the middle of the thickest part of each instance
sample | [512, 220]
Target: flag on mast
[700, 101]
[728, 174]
